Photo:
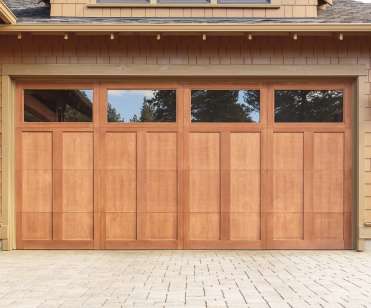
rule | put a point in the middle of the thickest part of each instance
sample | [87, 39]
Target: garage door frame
[266, 128]
[12, 73]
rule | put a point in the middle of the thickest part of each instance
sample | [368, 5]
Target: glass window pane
[308, 106]
[58, 105]
[225, 105]
[141, 106]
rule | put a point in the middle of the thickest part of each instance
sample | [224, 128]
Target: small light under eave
[295, 36]
[66, 37]
[112, 36]
[19, 36]
[341, 36]
[204, 37]
[250, 37]
[158, 37]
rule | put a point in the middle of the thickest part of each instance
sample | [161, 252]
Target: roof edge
[6, 14]
[183, 27]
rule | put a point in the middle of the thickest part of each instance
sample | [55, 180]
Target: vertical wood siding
[216, 51]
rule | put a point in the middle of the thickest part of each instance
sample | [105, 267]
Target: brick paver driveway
[192, 278]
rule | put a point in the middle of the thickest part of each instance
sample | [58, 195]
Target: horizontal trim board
[24, 70]
[187, 27]
[184, 5]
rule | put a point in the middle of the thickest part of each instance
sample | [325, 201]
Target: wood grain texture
[245, 186]
[186, 185]
[288, 189]
[77, 186]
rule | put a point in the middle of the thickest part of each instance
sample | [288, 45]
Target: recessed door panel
[77, 186]
[37, 185]
[158, 212]
[118, 183]
[245, 206]
[204, 186]
[288, 188]
[328, 181]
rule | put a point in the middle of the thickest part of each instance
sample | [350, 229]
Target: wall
[279, 8]
[220, 51]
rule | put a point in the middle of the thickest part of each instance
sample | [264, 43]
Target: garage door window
[225, 106]
[130, 106]
[47, 105]
[308, 106]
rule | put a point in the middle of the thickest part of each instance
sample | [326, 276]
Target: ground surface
[192, 278]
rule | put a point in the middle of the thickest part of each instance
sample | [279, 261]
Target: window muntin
[58, 105]
[132, 106]
[225, 106]
[308, 106]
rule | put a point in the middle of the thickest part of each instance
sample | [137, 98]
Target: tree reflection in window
[225, 105]
[49, 105]
[308, 106]
[141, 106]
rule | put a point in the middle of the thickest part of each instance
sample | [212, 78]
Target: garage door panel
[245, 151]
[204, 151]
[77, 226]
[245, 191]
[245, 226]
[119, 151]
[328, 151]
[37, 191]
[158, 226]
[77, 150]
[37, 149]
[204, 195]
[73, 212]
[204, 226]
[161, 151]
[121, 226]
[160, 189]
[288, 191]
[288, 226]
[119, 190]
[328, 191]
[328, 225]
[287, 218]
[37, 226]
[288, 151]
[77, 192]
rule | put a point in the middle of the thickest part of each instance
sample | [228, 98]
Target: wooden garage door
[184, 165]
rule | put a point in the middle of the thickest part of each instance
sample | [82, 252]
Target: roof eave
[187, 27]
[6, 15]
